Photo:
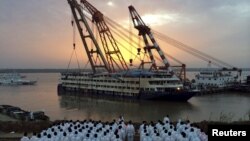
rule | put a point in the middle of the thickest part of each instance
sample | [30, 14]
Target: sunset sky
[38, 33]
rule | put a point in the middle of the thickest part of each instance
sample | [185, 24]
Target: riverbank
[13, 130]
[6, 118]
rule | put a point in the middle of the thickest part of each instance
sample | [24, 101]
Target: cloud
[159, 19]
[41, 29]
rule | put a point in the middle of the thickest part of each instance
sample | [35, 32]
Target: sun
[110, 3]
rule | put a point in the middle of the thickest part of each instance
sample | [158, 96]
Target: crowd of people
[89, 130]
[166, 131]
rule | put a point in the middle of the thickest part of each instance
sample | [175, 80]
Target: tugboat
[111, 76]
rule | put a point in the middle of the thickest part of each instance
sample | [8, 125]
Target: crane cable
[181, 46]
[122, 33]
[130, 40]
[74, 45]
[115, 25]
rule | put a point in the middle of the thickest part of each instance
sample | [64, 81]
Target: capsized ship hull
[161, 96]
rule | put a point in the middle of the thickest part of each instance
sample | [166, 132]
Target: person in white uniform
[130, 131]
[157, 137]
[49, 138]
[33, 137]
[202, 136]
[65, 137]
[105, 137]
[25, 137]
[142, 126]
[166, 119]
[169, 137]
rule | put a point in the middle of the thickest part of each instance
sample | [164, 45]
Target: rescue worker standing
[130, 131]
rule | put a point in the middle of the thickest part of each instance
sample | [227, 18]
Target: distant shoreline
[65, 70]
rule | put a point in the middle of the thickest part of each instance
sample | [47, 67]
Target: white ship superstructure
[216, 78]
[126, 82]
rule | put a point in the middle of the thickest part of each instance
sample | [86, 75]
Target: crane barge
[110, 75]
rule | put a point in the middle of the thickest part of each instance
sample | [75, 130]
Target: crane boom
[79, 19]
[145, 32]
[113, 54]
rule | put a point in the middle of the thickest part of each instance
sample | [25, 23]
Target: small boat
[14, 79]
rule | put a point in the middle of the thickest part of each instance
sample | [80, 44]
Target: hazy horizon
[37, 34]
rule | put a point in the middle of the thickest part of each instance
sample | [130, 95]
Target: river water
[43, 96]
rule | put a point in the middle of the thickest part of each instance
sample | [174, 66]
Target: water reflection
[135, 110]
